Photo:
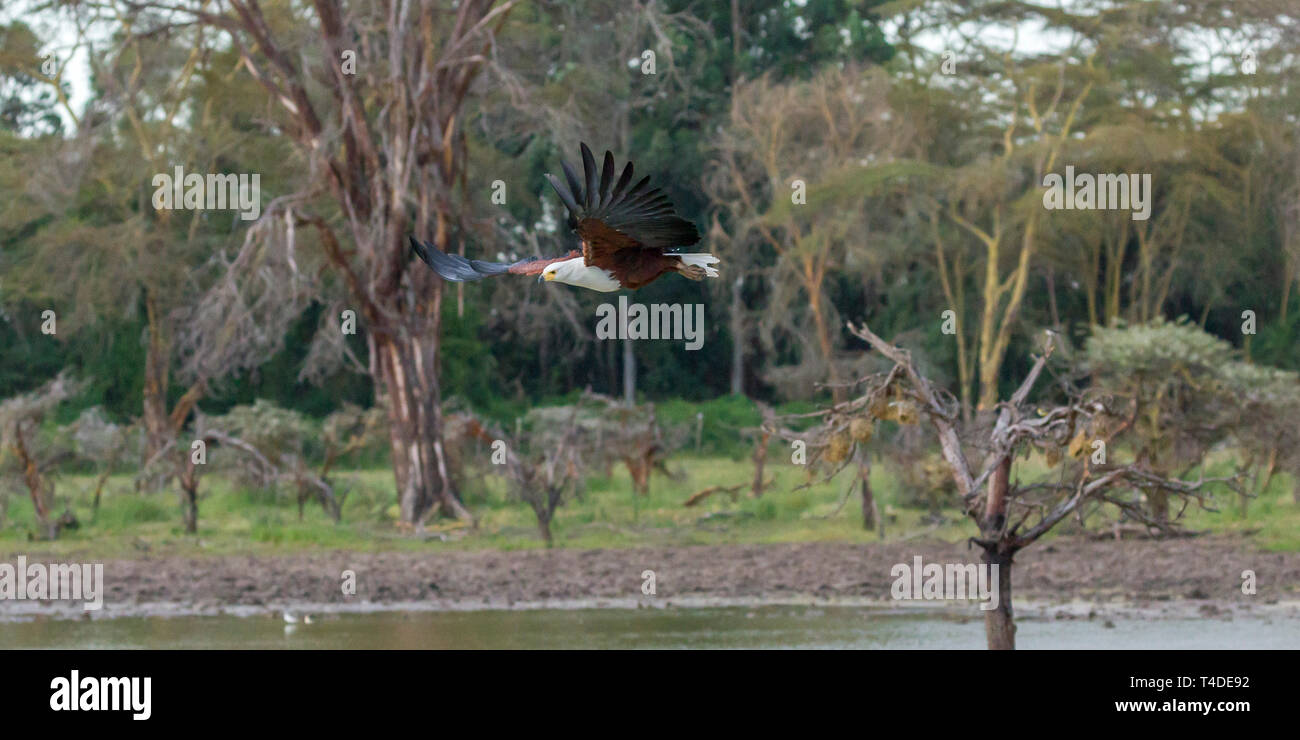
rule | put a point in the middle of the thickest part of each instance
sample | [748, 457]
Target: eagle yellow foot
[692, 272]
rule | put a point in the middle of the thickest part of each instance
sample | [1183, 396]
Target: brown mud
[1068, 576]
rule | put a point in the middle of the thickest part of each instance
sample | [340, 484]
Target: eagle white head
[576, 272]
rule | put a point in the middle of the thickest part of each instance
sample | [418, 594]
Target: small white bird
[292, 618]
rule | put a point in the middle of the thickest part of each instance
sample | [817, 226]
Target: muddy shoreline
[1067, 578]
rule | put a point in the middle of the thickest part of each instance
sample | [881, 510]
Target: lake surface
[673, 628]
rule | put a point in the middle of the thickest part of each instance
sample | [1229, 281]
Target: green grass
[1272, 519]
[235, 520]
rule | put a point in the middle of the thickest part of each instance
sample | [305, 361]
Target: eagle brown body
[632, 265]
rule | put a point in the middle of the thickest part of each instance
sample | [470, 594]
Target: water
[713, 627]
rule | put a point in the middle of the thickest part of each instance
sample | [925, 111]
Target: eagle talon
[692, 272]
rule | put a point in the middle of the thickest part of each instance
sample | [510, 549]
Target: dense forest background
[921, 130]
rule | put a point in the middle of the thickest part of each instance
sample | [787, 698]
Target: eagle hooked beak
[547, 276]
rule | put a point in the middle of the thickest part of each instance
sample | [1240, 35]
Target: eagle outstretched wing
[610, 216]
[458, 269]
[625, 229]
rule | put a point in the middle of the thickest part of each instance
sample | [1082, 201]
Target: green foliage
[1277, 341]
[1163, 351]
[721, 417]
[1190, 392]
[236, 521]
[27, 104]
[77, 234]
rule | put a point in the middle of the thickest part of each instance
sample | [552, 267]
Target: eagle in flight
[628, 237]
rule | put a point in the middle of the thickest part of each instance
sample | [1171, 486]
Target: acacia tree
[981, 209]
[1189, 392]
[795, 168]
[987, 199]
[372, 97]
[1211, 135]
[98, 248]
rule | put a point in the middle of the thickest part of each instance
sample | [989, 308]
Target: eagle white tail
[700, 259]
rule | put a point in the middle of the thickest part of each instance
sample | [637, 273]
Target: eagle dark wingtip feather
[606, 178]
[415, 247]
[640, 212]
[567, 197]
[450, 267]
[588, 169]
[620, 187]
[575, 189]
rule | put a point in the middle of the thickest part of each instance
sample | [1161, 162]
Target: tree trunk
[406, 369]
[190, 509]
[32, 477]
[1158, 502]
[737, 329]
[189, 483]
[760, 458]
[824, 341]
[995, 509]
[638, 468]
[161, 425]
[1000, 623]
[157, 422]
[869, 514]
[544, 526]
[629, 373]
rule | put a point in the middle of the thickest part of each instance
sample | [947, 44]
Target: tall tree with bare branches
[372, 96]
[796, 165]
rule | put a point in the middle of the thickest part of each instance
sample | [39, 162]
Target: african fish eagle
[628, 237]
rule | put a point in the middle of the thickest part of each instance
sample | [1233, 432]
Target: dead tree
[1011, 515]
[545, 466]
[345, 431]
